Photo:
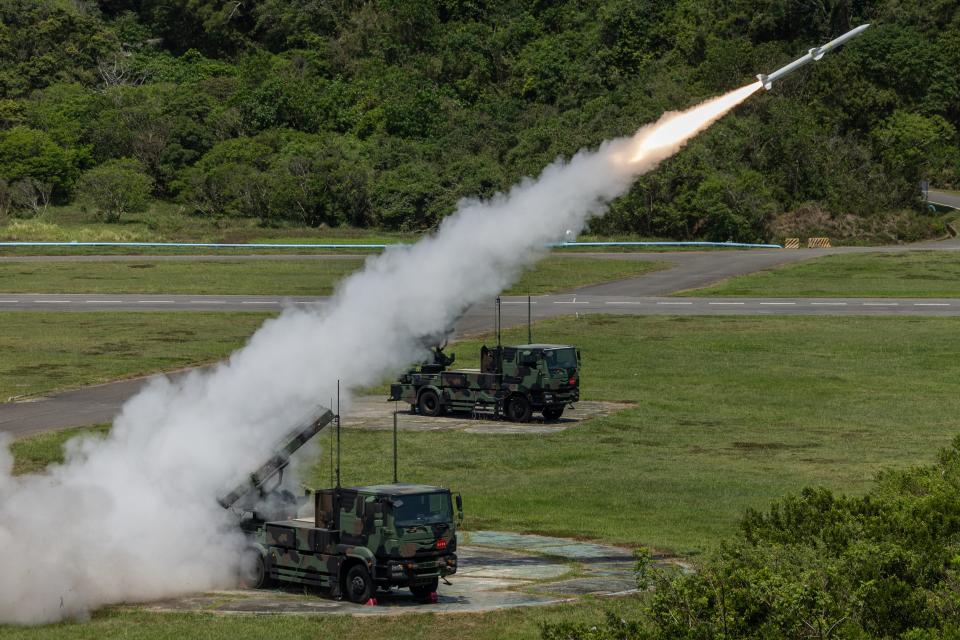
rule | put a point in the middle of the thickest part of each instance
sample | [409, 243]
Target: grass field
[914, 274]
[510, 624]
[269, 277]
[167, 222]
[47, 351]
[731, 413]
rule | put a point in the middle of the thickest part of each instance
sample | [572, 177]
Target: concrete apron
[498, 570]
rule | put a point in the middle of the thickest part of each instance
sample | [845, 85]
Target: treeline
[385, 113]
[818, 565]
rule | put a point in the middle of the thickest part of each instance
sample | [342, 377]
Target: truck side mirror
[459, 501]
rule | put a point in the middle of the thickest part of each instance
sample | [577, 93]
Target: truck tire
[422, 591]
[552, 412]
[518, 409]
[359, 586]
[255, 570]
[429, 403]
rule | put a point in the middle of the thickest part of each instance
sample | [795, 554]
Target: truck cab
[360, 539]
[512, 381]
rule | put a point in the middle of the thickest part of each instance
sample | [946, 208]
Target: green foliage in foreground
[387, 113]
[914, 274]
[819, 565]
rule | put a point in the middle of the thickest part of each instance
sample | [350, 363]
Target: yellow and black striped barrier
[791, 243]
[818, 243]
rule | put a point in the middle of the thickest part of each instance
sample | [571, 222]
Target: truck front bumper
[413, 572]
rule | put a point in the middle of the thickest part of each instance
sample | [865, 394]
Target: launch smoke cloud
[133, 516]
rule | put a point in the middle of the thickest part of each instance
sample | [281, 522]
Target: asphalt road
[948, 198]
[645, 295]
[514, 308]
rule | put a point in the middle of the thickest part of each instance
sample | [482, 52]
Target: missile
[814, 54]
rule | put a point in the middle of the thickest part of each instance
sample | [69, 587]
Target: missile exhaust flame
[674, 129]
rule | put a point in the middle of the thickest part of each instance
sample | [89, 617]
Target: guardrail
[217, 245]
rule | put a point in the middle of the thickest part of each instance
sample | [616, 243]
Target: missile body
[814, 54]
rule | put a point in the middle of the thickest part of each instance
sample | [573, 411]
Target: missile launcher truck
[359, 538]
[512, 381]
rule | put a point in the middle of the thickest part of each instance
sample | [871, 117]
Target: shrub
[116, 187]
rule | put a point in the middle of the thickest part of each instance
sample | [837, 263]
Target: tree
[116, 187]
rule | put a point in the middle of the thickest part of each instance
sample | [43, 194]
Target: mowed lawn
[730, 413]
[316, 276]
[908, 274]
[128, 623]
[43, 352]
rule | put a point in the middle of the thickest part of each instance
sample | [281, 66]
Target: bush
[116, 187]
[819, 565]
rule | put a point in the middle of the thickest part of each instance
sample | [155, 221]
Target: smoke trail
[133, 517]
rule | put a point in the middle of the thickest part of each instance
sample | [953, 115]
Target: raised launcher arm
[295, 439]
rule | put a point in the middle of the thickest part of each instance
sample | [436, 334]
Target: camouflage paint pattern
[505, 372]
[318, 551]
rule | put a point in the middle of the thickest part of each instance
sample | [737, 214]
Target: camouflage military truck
[358, 539]
[513, 382]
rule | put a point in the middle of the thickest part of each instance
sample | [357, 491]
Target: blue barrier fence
[214, 245]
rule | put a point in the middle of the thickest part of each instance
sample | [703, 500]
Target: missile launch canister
[814, 54]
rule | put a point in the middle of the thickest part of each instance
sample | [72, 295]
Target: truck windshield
[424, 508]
[561, 358]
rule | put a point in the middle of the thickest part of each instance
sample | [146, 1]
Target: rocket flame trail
[674, 129]
[133, 516]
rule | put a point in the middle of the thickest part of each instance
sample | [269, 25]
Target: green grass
[34, 453]
[274, 277]
[913, 274]
[268, 277]
[560, 274]
[43, 352]
[509, 624]
[731, 413]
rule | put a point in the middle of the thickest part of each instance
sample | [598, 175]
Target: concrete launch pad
[498, 570]
[374, 412]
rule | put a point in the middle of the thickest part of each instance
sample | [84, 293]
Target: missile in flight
[814, 54]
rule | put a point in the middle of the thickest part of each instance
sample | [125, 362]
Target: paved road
[948, 198]
[643, 296]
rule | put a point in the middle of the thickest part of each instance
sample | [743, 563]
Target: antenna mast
[338, 434]
[529, 326]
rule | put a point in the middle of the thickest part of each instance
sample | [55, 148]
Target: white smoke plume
[133, 516]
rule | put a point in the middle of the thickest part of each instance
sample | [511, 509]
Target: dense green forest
[384, 113]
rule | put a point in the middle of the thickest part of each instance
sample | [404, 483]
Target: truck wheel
[255, 574]
[359, 585]
[422, 591]
[518, 409]
[552, 412]
[429, 403]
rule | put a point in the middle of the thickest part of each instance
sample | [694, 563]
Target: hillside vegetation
[385, 113]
